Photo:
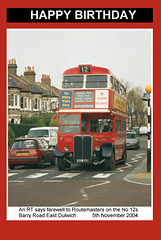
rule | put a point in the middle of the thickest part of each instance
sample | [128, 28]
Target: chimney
[46, 80]
[12, 66]
[30, 73]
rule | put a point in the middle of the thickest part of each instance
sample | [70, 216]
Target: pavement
[139, 175]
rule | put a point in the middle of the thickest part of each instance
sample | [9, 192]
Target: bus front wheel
[110, 162]
[61, 163]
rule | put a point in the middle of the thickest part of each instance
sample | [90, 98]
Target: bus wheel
[61, 163]
[12, 166]
[110, 162]
[124, 157]
[67, 164]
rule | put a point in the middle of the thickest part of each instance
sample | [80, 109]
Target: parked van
[47, 133]
[143, 130]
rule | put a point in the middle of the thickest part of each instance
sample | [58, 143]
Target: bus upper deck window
[96, 81]
[111, 83]
[121, 90]
[72, 82]
[116, 85]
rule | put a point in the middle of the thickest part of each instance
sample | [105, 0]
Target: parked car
[47, 133]
[27, 151]
[132, 140]
[143, 130]
[136, 129]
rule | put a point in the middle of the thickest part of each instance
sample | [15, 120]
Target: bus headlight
[97, 148]
[66, 148]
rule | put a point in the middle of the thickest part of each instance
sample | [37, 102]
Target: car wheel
[61, 163]
[53, 161]
[12, 167]
[110, 162]
[41, 163]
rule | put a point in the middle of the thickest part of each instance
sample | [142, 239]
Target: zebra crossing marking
[67, 175]
[102, 175]
[36, 175]
[12, 174]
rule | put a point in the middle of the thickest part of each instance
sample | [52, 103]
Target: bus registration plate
[82, 160]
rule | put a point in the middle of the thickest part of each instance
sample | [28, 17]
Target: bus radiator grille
[82, 148]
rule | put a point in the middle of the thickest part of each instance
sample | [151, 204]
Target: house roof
[27, 86]
[12, 83]
[24, 87]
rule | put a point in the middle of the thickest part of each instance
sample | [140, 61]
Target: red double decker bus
[92, 118]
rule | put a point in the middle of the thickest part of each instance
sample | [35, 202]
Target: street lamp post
[147, 98]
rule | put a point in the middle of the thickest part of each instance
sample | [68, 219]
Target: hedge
[21, 130]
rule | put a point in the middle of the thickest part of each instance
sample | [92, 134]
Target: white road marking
[134, 159]
[70, 204]
[12, 174]
[15, 181]
[85, 195]
[47, 170]
[99, 184]
[37, 175]
[127, 180]
[102, 175]
[53, 181]
[67, 175]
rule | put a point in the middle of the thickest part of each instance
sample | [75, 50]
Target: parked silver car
[132, 140]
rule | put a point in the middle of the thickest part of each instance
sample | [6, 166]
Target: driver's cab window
[83, 125]
[101, 125]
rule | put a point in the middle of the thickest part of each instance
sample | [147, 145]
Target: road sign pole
[149, 143]
[146, 97]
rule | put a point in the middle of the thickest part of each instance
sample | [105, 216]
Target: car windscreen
[27, 144]
[38, 133]
[130, 136]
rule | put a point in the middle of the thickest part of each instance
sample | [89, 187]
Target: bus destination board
[83, 96]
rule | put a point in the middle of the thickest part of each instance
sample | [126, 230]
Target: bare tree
[136, 107]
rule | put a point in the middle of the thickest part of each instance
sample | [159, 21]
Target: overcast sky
[126, 52]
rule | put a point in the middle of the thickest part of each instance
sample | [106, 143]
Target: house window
[36, 103]
[11, 100]
[46, 105]
[16, 100]
[43, 106]
[53, 105]
[25, 103]
[22, 102]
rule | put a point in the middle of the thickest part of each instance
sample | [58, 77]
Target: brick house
[26, 96]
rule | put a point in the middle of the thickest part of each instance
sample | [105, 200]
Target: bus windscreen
[96, 81]
[72, 82]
